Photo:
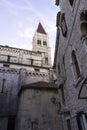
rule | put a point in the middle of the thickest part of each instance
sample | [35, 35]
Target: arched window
[71, 2]
[75, 64]
[83, 25]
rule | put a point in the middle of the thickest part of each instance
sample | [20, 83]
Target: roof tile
[40, 29]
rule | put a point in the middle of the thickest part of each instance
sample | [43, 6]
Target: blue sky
[19, 20]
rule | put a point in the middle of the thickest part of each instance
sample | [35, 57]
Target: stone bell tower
[41, 44]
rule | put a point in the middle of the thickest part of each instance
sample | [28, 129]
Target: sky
[19, 20]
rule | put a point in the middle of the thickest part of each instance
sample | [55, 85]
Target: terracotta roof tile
[40, 29]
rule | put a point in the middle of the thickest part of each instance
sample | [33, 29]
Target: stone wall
[37, 111]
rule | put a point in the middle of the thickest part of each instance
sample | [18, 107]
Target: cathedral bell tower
[41, 44]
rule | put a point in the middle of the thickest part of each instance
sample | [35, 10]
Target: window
[5, 65]
[58, 19]
[11, 123]
[32, 61]
[83, 20]
[63, 25]
[36, 69]
[61, 21]
[63, 60]
[46, 60]
[39, 42]
[3, 85]
[8, 58]
[71, 2]
[75, 64]
[68, 124]
[62, 94]
[44, 43]
[57, 2]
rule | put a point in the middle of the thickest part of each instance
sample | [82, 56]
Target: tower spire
[40, 29]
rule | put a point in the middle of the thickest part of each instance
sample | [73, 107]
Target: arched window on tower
[75, 65]
[39, 42]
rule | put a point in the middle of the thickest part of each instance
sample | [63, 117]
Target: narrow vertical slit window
[62, 94]
[32, 61]
[58, 19]
[68, 124]
[8, 58]
[3, 85]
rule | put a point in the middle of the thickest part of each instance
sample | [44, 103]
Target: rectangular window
[32, 61]
[46, 60]
[36, 69]
[5, 65]
[11, 123]
[68, 124]
[3, 85]
[8, 58]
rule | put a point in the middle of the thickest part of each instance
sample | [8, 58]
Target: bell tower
[41, 44]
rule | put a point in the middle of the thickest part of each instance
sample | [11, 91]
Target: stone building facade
[26, 87]
[70, 63]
